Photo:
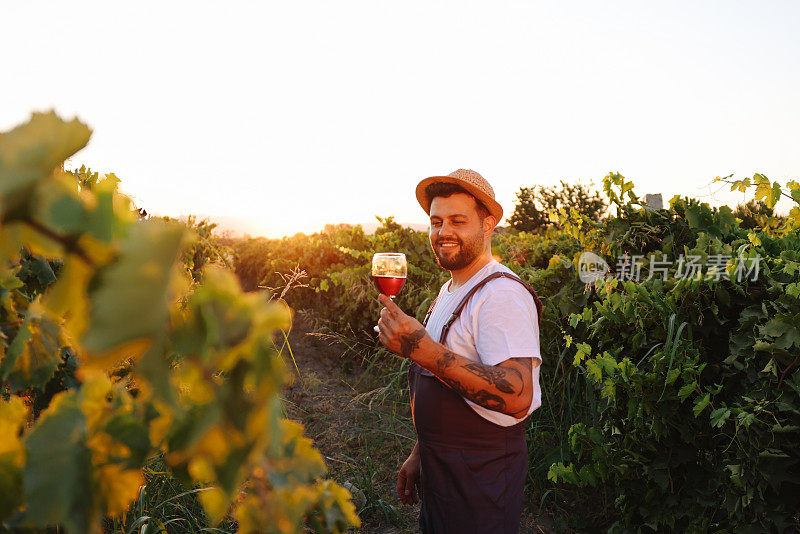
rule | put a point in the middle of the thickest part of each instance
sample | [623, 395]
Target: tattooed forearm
[494, 375]
[505, 387]
[487, 400]
[410, 342]
[480, 397]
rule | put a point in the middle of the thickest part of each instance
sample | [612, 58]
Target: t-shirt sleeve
[507, 326]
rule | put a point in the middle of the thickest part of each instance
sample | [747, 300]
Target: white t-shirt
[499, 322]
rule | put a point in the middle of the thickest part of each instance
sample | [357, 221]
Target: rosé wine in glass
[389, 271]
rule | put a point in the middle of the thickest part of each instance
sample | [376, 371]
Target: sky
[280, 117]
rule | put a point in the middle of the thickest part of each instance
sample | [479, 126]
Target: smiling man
[474, 379]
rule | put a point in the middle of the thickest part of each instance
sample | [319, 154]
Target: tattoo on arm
[488, 400]
[493, 375]
[447, 359]
[527, 365]
[505, 379]
[480, 397]
[410, 342]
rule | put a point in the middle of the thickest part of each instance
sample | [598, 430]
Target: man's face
[457, 231]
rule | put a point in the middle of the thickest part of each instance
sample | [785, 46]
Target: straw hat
[471, 181]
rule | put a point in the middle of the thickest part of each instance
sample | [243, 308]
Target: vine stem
[69, 244]
[783, 375]
[783, 193]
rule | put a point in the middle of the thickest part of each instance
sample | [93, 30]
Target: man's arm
[506, 387]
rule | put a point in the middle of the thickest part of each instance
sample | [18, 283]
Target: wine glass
[389, 271]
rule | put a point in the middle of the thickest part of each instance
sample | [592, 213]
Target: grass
[360, 420]
[164, 505]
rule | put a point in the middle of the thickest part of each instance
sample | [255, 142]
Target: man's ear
[489, 222]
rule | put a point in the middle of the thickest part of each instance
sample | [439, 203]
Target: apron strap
[457, 311]
[430, 311]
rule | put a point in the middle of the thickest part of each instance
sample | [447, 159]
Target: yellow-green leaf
[29, 153]
[129, 299]
[57, 477]
[34, 354]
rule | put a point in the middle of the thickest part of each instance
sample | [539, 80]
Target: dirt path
[363, 431]
[364, 440]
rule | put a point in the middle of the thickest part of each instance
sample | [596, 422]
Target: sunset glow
[286, 117]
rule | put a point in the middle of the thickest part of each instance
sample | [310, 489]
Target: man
[470, 395]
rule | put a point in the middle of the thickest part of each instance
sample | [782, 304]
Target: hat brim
[495, 209]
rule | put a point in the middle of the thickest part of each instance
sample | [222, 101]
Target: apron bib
[473, 471]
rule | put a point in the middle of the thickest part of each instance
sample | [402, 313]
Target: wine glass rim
[389, 254]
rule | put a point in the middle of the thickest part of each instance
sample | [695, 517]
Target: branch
[69, 243]
[291, 281]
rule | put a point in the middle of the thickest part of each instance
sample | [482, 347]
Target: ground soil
[363, 430]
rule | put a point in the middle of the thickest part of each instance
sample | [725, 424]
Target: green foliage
[110, 354]
[205, 250]
[259, 261]
[526, 252]
[337, 263]
[769, 194]
[753, 214]
[534, 204]
[698, 413]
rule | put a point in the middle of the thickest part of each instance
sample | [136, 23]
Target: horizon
[239, 227]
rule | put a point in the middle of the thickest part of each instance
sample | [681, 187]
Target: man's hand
[408, 479]
[400, 333]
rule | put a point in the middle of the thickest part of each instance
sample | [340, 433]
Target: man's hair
[445, 189]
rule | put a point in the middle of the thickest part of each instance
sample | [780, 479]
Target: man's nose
[446, 230]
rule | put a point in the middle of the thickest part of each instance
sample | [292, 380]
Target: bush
[698, 409]
[534, 204]
[338, 263]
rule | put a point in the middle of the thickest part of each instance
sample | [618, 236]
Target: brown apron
[473, 471]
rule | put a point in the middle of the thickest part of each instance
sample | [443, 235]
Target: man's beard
[467, 252]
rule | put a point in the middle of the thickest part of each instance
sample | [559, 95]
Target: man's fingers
[407, 484]
[401, 486]
[408, 493]
[389, 303]
[411, 490]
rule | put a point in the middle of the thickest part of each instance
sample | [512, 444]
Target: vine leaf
[794, 213]
[29, 152]
[129, 298]
[700, 404]
[687, 390]
[57, 477]
[770, 193]
[13, 417]
[33, 355]
[719, 416]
